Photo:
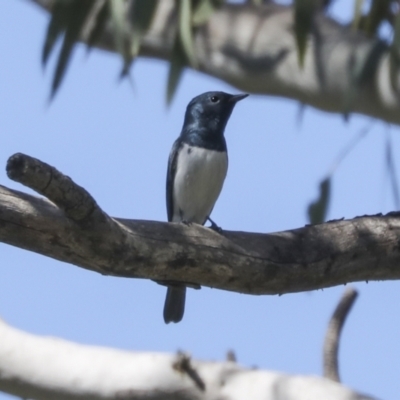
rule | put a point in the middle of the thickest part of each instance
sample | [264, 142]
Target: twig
[346, 150]
[231, 356]
[391, 168]
[183, 364]
[332, 337]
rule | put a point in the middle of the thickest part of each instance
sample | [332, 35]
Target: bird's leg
[214, 226]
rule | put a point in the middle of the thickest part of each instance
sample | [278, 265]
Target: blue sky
[114, 140]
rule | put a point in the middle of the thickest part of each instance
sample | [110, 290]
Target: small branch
[183, 364]
[231, 356]
[72, 228]
[332, 338]
[46, 368]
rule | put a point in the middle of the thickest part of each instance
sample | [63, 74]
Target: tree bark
[253, 48]
[72, 228]
[53, 369]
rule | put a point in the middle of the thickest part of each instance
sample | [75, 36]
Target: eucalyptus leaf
[177, 65]
[377, 14]
[76, 15]
[395, 55]
[141, 15]
[58, 22]
[203, 12]
[391, 168]
[358, 5]
[185, 30]
[99, 24]
[318, 209]
[304, 11]
[362, 71]
[117, 8]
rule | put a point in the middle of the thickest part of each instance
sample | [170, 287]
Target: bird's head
[211, 110]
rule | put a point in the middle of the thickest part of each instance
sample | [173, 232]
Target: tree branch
[253, 48]
[52, 369]
[72, 228]
[332, 338]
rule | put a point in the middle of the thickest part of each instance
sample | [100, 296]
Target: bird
[197, 167]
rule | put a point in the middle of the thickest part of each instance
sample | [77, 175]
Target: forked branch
[72, 228]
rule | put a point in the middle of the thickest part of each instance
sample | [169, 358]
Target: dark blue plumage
[197, 167]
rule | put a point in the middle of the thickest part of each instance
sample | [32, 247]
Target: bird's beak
[237, 97]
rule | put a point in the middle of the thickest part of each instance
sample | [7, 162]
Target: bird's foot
[177, 284]
[186, 222]
[214, 226]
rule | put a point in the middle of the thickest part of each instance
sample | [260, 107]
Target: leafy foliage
[395, 54]
[177, 65]
[141, 16]
[372, 21]
[100, 20]
[391, 169]
[68, 18]
[130, 22]
[203, 9]
[363, 68]
[304, 11]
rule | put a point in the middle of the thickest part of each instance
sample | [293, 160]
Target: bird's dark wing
[173, 157]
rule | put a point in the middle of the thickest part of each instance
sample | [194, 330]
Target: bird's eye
[215, 99]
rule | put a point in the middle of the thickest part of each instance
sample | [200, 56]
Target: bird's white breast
[200, 174]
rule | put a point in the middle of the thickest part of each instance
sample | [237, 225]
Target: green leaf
[318, 209]
[119, 24]
[185, 30]
[76, 15]
[378, 12]
[177, 65]
[358, 5]
[391, 168]
[203, 12]
[395, 55]
[363, 69]
[58, 22]
[101, 18]
[141, 16]
[304, 11]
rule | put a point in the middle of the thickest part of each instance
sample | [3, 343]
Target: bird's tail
[174, 306]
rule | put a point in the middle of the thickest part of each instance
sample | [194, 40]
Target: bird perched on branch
[197, 167]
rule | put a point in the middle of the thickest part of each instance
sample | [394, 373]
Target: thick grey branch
[332, 338]
[52, 369]
[253, 48]
[309, 258]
